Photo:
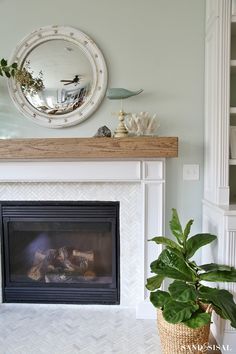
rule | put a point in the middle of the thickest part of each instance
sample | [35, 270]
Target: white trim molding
[59, 180]
[221, 221]
[217, 101]
[219, 217]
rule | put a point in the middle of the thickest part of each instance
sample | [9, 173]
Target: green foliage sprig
[6, 69]
[24, 76]
[30, 83]
[187, 299]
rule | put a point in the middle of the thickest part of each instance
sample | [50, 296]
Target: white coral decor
[142, 123]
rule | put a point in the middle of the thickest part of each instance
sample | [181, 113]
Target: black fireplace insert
[60, 252]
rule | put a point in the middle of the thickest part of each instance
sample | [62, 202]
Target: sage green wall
[157, 45]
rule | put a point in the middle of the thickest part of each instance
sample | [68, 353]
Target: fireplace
[137, 184]
[60, 252]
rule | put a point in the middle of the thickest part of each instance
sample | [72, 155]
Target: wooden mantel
[70, 148]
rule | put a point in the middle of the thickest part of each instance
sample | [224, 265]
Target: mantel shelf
[87, 148]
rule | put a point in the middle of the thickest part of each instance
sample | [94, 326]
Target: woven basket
[180, 339]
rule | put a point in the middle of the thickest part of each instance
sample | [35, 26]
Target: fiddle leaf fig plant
[187, 300]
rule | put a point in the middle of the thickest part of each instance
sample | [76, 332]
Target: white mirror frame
[94, 56]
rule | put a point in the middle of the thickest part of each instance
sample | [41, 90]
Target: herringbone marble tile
[65, 329]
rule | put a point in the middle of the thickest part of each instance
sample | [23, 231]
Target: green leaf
[3, 62]
[176, 227]
[174, 250]
[181, 291]
[155, 282]
[6, 69]
[176, 312]
[214, 267]
[198, 319]
[159, 298]
[222, 299]
[188, 229]
[172, 266]
[193, 264]
[7, 74]
[219, 312]
[197, 241]
[167, 242]
[219, 275]
[1, 74]
[14, 65]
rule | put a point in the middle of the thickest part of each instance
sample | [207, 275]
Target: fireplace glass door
[60, 252]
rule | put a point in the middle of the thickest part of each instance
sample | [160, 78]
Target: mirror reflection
[61, 77]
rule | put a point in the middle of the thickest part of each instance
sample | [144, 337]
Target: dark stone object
[103, 131]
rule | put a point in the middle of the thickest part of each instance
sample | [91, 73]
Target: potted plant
[184, 311]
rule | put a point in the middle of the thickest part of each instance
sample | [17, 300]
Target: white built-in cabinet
[219, 203]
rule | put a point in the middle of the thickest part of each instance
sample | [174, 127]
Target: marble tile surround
[129, 195]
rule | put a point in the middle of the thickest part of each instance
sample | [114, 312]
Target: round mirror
[62, 77]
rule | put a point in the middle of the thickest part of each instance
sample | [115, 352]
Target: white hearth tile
[71, 329]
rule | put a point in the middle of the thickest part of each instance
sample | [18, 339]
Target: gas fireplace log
[35, 272]
[39, 256]
[43, 261]
[89, 256]
[64, 259]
